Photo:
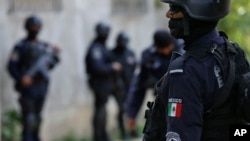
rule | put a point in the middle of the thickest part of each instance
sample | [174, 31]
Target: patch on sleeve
[174, 107]
[14, 56]
[173, 136]
[97, 54]
[131, 60]
[157, 64]
[218, 75]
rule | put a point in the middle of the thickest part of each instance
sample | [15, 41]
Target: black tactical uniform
[25, 56]
[153, 66]
[101, 73]
[196, 80]
[126, 57]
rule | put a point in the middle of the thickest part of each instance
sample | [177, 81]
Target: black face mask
[176, 27]
[32, 35]
[122, 44]
[187, 28]
[102, 35]
[102, 39]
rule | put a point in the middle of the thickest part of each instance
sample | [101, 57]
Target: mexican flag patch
[174, 109]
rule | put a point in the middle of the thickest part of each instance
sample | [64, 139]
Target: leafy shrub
[11, 125]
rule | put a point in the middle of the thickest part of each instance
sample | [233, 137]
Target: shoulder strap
[224, 93]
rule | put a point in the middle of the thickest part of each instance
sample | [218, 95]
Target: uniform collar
[207, 39]
[120, 49]
[102, 42]
[201, 49]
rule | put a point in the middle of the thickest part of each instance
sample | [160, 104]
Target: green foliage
[11, 123]
[72, 137]
[158, 4]
[237, 23]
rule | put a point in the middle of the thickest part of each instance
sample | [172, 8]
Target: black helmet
[32, 20]
[102, 29]
[122, 39]
[162, 38]
[206, 10]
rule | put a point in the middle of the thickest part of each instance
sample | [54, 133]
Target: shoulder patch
[131, 60]
[174, 107]
[97, 53]
[14, 56]
[218, 75]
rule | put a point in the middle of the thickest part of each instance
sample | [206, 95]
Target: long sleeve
[184, 95]
[13, 65]
[185, 107]
[137, 91]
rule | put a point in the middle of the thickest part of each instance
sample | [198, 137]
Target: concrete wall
[69, 104]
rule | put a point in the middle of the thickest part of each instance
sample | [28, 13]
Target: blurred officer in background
[197, 99]
[125, 57]
[154, 64]
[122, 54]
[101, 69]
[29, 64]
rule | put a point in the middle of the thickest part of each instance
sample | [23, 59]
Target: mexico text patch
[174, 107]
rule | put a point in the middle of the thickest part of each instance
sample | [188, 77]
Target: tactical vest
[227, 109]
[221, 114]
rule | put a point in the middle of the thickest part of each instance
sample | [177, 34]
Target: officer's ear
[175, 15]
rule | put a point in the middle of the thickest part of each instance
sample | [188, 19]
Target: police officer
[126, 57]
[196, 80]
[154, 64]
[32, 89]
[101, 69]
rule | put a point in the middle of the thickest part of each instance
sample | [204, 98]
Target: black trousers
[100, 116]
[31, 118]
[120, 97]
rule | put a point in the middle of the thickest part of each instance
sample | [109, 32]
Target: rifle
[42, 63]
[155, 127]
